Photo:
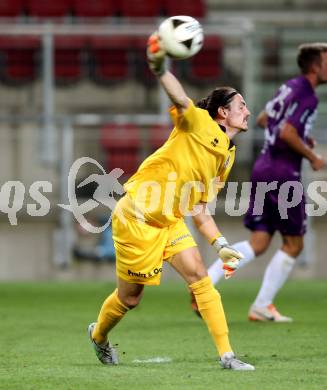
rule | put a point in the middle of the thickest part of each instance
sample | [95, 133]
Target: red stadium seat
[195, 8]
[19, 59]
[11, 8]
[48, 8]
[206, 66]
[139, 8]
[110, 58]
[94, 8]
[122, 144]
[69, 52]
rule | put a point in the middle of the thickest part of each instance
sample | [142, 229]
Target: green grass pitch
[44, 342]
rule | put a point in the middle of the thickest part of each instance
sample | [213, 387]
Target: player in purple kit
[287, 120]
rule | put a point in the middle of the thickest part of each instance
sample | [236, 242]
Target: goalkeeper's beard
[243, 128]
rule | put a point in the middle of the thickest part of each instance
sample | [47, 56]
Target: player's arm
[175, 91]
[262, 119]
[290, 135]
[206, 224]
[208, 228]
[311, 142]
[156, 59]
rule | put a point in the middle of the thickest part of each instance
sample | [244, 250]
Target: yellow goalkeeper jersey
[187, 170]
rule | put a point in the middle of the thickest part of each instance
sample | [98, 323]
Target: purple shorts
[288, 221]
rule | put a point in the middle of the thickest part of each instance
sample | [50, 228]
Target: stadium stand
[121, 143]
[185, 7]
[109, 58]
[139, 8]
[106, 59]
[259, 5]
[69, 54]
[94, 8]
[150, 8]
[11, 8]
[48, 8]
[207, 65]
[19, 59]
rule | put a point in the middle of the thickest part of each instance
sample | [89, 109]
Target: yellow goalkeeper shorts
[142, 248]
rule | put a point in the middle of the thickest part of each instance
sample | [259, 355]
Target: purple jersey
[295, 103]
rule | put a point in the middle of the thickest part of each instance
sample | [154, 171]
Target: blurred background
[74, 82]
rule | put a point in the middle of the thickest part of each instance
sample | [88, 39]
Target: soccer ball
[181, 36]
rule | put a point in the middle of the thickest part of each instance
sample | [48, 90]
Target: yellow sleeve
[191, 120]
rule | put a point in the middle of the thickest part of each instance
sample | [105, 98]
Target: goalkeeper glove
[230, 256]
[156, 55]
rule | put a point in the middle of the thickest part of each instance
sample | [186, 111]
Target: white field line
[156, 359]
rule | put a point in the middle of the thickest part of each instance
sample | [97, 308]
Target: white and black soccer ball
[181, 36]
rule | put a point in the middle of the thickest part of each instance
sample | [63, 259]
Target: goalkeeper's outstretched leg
[189, 265]
[124, 298]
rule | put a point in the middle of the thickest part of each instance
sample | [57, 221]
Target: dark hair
[219, 97]
[308, 54]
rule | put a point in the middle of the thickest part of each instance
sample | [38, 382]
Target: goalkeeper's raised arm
[157, 63]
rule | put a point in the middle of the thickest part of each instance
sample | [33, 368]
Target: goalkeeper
[148, 224]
